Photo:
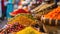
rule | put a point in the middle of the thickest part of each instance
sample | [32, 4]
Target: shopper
[5, 4]
[3, 9]
[26, 2]
[56, 1]
[16, 2]
[0, 9]
[10, 8]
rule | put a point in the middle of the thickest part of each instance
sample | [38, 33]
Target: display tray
[53, 22]
[43, 7]
[53, 29]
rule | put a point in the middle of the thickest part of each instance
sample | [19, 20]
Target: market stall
[41, 19]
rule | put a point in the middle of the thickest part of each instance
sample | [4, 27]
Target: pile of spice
[12, 28]
[54, 14]
[24, 19]
[18, 11]
[29, 30]
[15, 28]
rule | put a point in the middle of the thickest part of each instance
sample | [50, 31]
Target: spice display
[30, 17]
[54, 14]
[24, 19]
[29, 30]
